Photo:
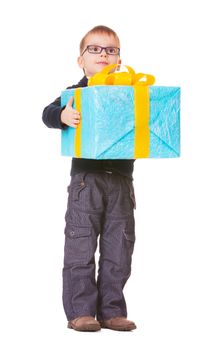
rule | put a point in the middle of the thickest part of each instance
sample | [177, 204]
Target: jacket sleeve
[51, 115]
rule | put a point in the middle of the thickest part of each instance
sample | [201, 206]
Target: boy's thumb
[70, 101]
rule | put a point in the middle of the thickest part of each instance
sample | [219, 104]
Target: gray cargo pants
[99, 204]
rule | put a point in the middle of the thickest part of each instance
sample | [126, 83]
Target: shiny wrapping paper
[109, 128]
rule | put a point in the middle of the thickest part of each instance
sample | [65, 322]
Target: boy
[101, 203]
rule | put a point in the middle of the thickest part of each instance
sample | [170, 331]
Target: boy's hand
[70, 116]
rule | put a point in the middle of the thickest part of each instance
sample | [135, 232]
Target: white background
[175, 292]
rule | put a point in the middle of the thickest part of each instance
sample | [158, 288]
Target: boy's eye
[95, 49]
[111, 50]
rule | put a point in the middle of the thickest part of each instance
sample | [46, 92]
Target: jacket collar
[83, 82]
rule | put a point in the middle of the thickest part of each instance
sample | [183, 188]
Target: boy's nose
[103, 52]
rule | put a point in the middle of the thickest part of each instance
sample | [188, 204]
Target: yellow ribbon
[142, 114]
[77, 145]
[140, 82]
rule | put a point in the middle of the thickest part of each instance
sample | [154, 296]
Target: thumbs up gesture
[70, 116]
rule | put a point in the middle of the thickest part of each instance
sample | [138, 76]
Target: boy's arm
[52, 115]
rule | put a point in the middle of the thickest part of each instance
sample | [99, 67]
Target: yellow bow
[108, 76]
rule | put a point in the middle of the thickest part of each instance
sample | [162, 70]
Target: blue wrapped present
[123, 122]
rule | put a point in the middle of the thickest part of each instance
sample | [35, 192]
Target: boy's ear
[119, 62]
[80, 61]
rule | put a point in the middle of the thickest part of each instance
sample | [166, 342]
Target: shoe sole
[89, 328]
[124, 329]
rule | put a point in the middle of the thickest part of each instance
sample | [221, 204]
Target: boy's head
[98, 48]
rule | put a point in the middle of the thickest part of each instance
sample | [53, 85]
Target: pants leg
[116, 247]
[83, 224]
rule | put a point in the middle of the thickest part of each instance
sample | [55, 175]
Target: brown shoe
[84, 324]
[118, 324]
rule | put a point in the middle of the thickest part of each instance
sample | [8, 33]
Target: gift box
[123, 122]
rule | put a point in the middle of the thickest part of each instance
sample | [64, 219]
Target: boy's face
[93, 63]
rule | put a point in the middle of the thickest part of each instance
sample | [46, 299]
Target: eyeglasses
[95, 49]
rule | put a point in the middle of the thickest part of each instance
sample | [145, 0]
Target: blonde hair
[98, 30]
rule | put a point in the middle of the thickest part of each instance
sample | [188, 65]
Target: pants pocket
[77, 244]
[128, 242]
[132, 196]
[132, 193]
[76, 190]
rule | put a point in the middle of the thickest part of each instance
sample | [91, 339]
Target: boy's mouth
[102, 62]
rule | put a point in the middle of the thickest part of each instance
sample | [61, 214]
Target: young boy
[101, 203]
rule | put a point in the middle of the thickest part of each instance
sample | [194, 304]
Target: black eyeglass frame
[103, 48]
